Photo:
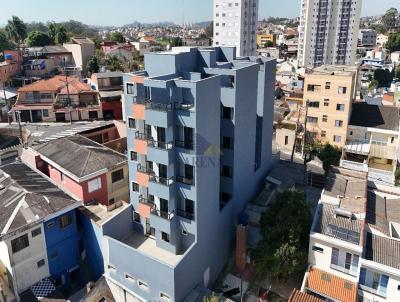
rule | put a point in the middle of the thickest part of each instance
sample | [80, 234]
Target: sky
[120, 12]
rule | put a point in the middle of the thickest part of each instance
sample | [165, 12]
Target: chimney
[241, 247]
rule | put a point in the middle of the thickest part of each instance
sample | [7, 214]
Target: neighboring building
[39, 68]
[82, 50]
[83, 168]
[329, 92]
[263, 38]
[367, 37]
[59, 54]
[395, 57]
[235, 25]
[53, 100]
[190, 114]
[39, 236]
[196, 42]
[328, 32]
[11, 66]
[373, 141]
[109, 86]
[382, 39]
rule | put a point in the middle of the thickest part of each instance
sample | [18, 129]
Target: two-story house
[58, 99]
[39, 238]
[373, 141]
[85, 169]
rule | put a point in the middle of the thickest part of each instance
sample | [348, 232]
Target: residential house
[83, 168]
[367, 37]
[373, 141]
[329, 92]
[82, 50]
[11, 66]
[109, 86]
[263, 38]
[39, 237]
[58, 99]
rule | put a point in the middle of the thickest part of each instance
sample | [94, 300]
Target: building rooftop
[55, 84]
[109, 74]
[373, 116]
[332, 286]
[335, 70]
[298, 296]
[81, 40]
[79, 155]
[54, 49]
[100, 214]
[383, 250]
[26, 197]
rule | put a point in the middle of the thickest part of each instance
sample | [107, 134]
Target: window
[313, 87]
[51, 224]
[347, 263]
[41, 263]
[117, 175]
[165, 297]
[226, 171]
[323, 133]
[317, 249]
[165, 236]
[337, 138]
[143, 285]
[135, 187]
[136, 217]
[45, 113]
[129, 277]
[312, 120]
[62, 177]
[338, 123]
[134, 156]
[130, 88]
[36, 232]
[375, 281]
[286, 140]
[326, 102]
[19, 243]
[131, 122]
[335, 256]
[340, 107]
[342, 90]
[324, 118]
[65, 220]
[227, 142]
[94, 185]
[227, 113]
[328, 85]
[313, 104]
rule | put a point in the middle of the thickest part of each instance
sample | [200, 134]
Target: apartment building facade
[329, 92]
[328, 32]
[190, 114]
[57, 100]
[372, 142]
[235, 25]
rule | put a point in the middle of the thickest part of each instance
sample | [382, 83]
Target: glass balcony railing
[184, 180]
[144, 169]
[162, 180]
[160, 145]
[188, 145]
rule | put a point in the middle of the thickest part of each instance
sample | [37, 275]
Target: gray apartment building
[199, 129]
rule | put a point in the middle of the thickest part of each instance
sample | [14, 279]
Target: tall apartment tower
[328, 32]
[199, 130]
[235, 24]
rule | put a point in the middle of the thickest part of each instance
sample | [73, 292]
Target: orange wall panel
[142, 179]
[144, 210]
[138, 111]
[140, 146]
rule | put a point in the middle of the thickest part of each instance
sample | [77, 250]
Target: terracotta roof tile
[298, 296]
[331, 286]
[55, 84]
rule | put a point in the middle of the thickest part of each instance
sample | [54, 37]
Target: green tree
[38, 38]
[330, 156]
[373, 85]
[212, 298]
[285, 227]
[117, 37]
[58, 33]
[393, 43]
[16, 30]
[268, 44]
[384, 77]
[177, 41]
[210, 30]
[5, 43]
[397, 72]
[389, 19]
[114, 64]
[93, 65]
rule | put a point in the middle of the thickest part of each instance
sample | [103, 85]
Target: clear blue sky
[119, 12]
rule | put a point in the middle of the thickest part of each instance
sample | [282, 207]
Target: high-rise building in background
[199, 127]
[235, 24]
[328, 32]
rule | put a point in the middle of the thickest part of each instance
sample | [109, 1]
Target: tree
[5, 43]
[389, 19]
[268, 44]
[58, 33]
[210, 30]
[373, 85]
[177, 41]
[117, 37]
[330, 156]
[16, 30]
[38, 38]
[384, 77]
[393, 43]
[114, 64]
[285, 227]
[212, 298]
[397, 72]
[93, 65]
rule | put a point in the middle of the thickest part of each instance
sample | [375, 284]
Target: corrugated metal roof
[383, 250]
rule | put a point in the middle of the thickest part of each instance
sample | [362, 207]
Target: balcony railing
[185, 214]
[162, 214]
[344, 270]
[158, 106]
[160, 145]
[188, 145]
[184, 107]
[184, 180]
[144, 169]
[145, 201]
[162, 180]
[142, 136]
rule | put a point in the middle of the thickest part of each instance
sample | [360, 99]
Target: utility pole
[69, 99]
[7, 104]
[304, 144]
[18, 117]
[295, 133]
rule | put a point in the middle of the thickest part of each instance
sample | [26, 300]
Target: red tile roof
[57, 84]
[298, 296]
[331, 286]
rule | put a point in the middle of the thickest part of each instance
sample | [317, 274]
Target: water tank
[8, 56]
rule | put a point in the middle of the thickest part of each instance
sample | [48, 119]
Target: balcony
[144, 169]
[160, 152]
[184, 214]
[158, 114]
[186, 145]
[358, 147]
[162, 221]
[347, 271]
[186, 181]
[353, 165]
[161, 187]
[184, 107]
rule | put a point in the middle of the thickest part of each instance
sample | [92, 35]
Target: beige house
[82, 50]
[329, 92]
